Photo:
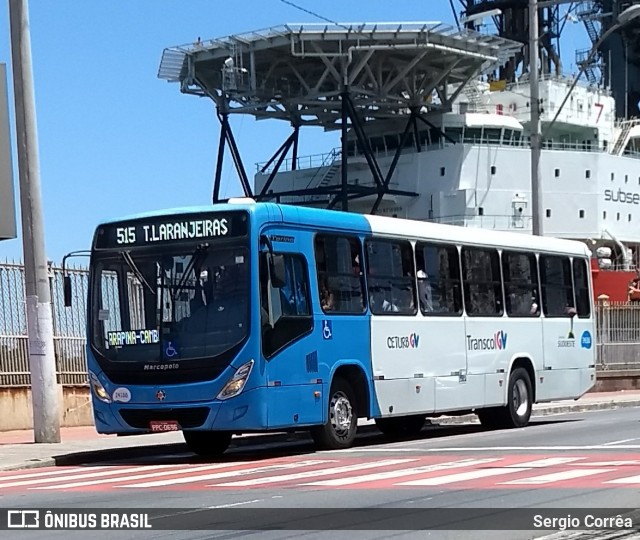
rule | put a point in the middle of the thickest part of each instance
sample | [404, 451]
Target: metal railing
[617, 336]
[68, 326]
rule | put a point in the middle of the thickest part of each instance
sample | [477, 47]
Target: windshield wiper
[196, 259]
[136, 271]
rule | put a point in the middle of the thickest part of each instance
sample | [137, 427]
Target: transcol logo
[497, 342]
[403, 342]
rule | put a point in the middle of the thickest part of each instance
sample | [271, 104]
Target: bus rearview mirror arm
[66, 280]
[277, 271]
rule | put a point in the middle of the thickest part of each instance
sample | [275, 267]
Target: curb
[134, 452]
[548, 411]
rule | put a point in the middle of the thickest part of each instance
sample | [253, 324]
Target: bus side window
[340, 281]
[520, 273]
[439, 288]
[482, 282]
[557, 286]
[391, 277]
[581, 286]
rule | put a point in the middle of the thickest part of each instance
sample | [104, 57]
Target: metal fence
[68, 326]
[618, 336]
[617, 340]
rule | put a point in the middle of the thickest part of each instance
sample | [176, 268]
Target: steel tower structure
[617, 64]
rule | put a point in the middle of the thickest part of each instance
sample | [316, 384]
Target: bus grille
[190, 417]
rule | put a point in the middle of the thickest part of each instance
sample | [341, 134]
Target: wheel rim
[341, 413]
[520, 398]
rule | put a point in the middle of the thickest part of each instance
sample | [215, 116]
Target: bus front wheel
[342, 419]
[207, 443]
[517, 412]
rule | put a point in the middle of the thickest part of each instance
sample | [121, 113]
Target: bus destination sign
[167, 229]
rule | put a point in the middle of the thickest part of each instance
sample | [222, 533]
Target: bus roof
[364, 223]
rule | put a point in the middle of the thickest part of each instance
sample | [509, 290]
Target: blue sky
[114, 139]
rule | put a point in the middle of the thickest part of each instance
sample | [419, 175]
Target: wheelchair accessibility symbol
[327, 332]
[170, 350]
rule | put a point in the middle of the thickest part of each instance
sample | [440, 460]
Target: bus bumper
[245, 412]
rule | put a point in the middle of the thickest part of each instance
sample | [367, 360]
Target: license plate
[164, 425]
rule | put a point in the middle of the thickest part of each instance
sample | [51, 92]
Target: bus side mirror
[67, 291]
[278, 271]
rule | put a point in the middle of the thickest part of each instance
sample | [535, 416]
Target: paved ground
[483, 484]
[83, 444]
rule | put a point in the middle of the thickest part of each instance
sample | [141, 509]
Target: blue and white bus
[253, 317]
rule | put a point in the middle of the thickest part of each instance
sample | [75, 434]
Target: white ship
[474, 169]
[426, 135]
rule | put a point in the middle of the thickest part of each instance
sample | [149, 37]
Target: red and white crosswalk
[343, 472]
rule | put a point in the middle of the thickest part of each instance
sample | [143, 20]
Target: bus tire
[342, 419]
[207, 443]
[517, 412]
[404, 426]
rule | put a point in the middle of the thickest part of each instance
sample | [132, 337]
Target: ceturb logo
[497, 342]
[626, 197]
[403, 342]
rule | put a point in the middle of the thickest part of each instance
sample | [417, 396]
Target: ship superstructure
[434, 126]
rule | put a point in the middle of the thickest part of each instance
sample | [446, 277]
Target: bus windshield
[173, 303]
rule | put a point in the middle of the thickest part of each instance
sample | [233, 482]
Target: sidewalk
[83, 445]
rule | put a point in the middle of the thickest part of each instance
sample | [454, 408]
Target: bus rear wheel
[342, 419]
[517, 412]
[405, 426]
[207, 443]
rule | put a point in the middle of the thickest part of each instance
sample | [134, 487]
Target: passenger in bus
[424, 292]
[327, 298]
[389, 306]
[535, 306]
[293, 297]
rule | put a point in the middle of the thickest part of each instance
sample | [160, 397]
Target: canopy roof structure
[297, 72]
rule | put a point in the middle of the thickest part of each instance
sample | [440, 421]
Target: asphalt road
[583, 460]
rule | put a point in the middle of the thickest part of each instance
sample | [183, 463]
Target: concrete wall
[16, 411]
[612, 381]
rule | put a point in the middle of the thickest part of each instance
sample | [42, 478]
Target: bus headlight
[98, 389]
[237, 382]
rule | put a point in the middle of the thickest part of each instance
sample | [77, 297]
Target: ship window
[454, 134]
[557, 172]
[392, 141]
[618, 216]
[587, 174]
[613, 176]
[472, 134]
[581, 214]
[480, 211]
[548, 212]
[377, 144]
[493, 169]
[492, 134]
[629, 217]
[604, 215]
[442, 171]
[626, 178]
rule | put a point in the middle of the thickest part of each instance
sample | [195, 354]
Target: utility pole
[42, 362]
[534, 90]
